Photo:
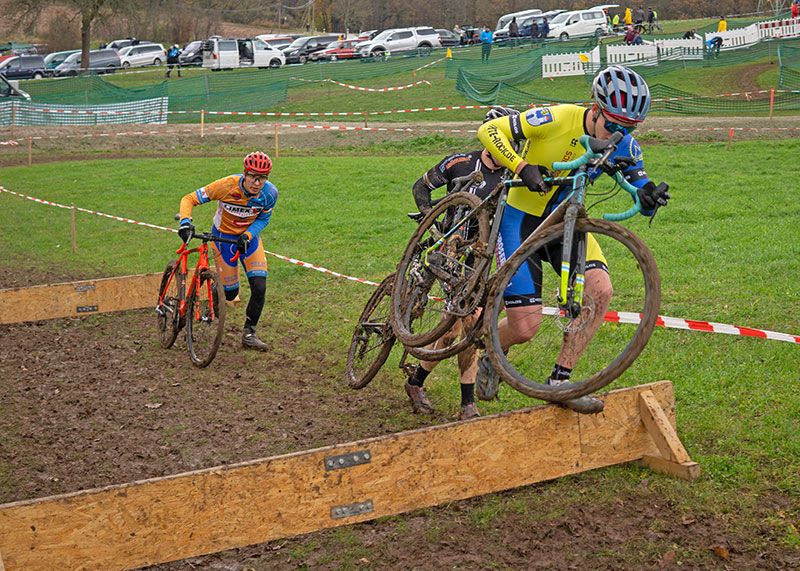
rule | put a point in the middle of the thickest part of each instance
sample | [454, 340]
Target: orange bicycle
[201, 309]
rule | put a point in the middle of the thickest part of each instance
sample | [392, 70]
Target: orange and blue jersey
[237, 212]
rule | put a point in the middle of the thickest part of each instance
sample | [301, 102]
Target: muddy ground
[87, 403]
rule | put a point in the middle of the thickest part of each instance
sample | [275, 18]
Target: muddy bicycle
[200, 308]
[444, 276]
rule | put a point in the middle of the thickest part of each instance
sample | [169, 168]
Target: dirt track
[136, 411]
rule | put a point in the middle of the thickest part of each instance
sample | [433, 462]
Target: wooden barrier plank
[78, 299]
[210, 510]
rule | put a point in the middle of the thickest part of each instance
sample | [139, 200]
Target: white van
[578, 23]
[505, 19]
[223, 53]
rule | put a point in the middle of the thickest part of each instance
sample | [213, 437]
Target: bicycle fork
[570, 296]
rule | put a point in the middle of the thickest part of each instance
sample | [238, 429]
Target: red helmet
[257, 163]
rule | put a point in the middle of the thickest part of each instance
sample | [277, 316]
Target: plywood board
[190, 514]
[78, 299]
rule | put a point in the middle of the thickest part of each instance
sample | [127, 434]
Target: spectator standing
[486, 43]
[628, 17]
[615, 22]
[640, 16]
[722, 26]
[513, 31]
[173, 59]
[544, 30]
[534, 30]
[459, 33]
[795, 9]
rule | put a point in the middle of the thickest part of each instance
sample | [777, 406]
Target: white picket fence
[561, 65]
[643, 54]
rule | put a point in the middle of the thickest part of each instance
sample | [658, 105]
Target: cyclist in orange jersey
[245, 204]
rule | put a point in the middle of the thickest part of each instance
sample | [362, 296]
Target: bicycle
[373, 337]
[445, 276]
[201, 310]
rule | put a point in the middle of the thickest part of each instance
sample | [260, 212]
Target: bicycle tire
[611, 368]
[433, 353]
[168, 305]
[418, 291]
[372, 339]
[204, 328]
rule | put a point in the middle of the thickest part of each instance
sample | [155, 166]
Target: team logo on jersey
[236, 195]
[635, 150]
[536, 117]
[240, 211]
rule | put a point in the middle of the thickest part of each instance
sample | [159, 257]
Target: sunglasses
[257, 177]
[612, 127]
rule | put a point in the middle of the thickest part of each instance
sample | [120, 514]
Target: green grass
[728, 248]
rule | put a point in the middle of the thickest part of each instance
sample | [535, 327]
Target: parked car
[505, 19]
[100, 61]
[142, 55]
[192, 53]
[526, 24]
[228, 53]
[24, 67]
[578, 23]
[300, 50]
[340, 49]
[10, 89]
[53, 60]
[119, 44]
[399, 40]
[277, 41]
[448, 38]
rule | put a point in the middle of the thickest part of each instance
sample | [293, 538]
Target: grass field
[728, 247]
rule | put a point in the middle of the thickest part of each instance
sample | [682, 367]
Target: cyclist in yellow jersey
[244, 208]
[551, 134]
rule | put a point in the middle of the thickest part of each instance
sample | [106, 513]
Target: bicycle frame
[570, 298]
[181, 270]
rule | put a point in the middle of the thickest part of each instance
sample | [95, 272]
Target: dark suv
[300, 50]
[192, 54]
[24, 67]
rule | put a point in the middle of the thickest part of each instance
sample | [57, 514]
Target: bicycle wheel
[606, 352]
[168, 305]
[448, 345]
[372, 339]
[432, 291]
[205, 319]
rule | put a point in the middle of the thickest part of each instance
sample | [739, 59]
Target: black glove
[186, 231]
[532, 177]
[652, 196]
[242, 244]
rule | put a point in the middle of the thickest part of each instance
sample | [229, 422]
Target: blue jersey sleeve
[267, 200]
[636, 175]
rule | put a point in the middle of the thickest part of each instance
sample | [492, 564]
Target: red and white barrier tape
[381, 89]
[611, 316]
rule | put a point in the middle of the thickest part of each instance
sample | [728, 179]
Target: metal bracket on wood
[350, 510]
[347, 460]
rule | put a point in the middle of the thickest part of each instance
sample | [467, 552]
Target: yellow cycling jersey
[551, 134]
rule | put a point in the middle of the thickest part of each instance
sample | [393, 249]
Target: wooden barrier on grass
[186, 515]
[78, 299]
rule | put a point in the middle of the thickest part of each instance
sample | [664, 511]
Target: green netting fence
[789, 61]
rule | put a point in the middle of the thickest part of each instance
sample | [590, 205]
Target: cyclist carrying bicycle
[443, 174]
[621, 101]
[245, 205]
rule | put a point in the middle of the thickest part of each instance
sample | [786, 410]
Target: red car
[343, 49]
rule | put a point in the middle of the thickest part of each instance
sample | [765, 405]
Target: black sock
[560, 373]
[419, 376]
[467, 394]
